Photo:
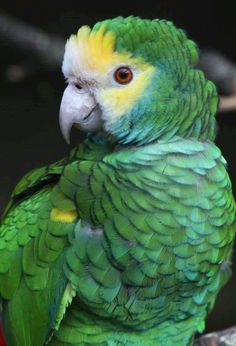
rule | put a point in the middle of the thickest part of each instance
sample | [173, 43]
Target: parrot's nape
[128, 240]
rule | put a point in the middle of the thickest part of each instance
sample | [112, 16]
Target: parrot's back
[117, 246]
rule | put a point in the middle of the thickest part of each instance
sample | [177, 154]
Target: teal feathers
[128, 240]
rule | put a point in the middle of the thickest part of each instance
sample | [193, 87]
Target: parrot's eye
[123, 75]
[79, 87]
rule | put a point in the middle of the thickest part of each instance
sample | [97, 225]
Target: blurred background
[31, 84]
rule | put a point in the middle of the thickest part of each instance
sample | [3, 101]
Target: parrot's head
[135, 81]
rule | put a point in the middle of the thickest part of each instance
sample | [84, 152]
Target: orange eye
[123, 75]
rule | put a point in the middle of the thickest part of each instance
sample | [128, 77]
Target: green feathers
[125, 244]
[157, 224]
[151, 39]
[179, 101]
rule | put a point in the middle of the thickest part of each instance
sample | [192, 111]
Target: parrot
[128, 239]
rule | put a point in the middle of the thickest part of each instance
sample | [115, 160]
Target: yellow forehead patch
[92, 55]
[96, 47]
[95, 50]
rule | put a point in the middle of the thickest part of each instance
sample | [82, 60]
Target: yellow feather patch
[65, 216]
[91, 55]
[96, 51]
[121, 100]
[96, 47]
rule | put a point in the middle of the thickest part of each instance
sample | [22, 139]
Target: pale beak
[79, 107]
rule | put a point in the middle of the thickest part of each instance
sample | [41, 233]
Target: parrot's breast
[156, 223]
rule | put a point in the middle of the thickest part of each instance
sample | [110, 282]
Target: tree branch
[222, 72]
[17, 33]
[225, 337]
[49, 50]
[227, 103]
[219, 69]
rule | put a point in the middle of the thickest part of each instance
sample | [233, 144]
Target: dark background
[30, 135]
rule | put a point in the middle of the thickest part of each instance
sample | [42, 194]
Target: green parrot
[128, 240]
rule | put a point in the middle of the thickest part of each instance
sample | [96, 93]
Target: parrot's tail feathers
[66, 300]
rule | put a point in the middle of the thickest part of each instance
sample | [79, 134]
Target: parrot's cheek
[79, 108]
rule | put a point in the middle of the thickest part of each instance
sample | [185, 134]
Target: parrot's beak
[79, 107]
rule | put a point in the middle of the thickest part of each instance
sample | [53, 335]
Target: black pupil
[123, 74]
[78, 86]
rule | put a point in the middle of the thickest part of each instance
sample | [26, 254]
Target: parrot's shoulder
[27, 255]
[34, 181]
[177, 147]
[38, 178]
